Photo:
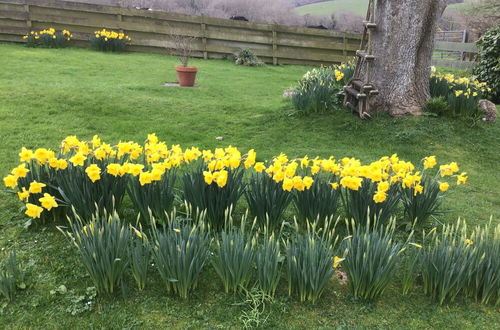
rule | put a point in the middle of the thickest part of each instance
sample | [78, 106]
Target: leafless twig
[183, 46]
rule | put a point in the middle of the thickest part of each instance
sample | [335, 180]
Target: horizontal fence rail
[216, 38]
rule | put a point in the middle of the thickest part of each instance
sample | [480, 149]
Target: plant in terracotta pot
[183, 50]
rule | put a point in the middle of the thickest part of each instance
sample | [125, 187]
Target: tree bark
[403, 43]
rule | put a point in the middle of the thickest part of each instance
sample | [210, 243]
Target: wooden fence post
[120, 19]
[344, 48]
[29, 24]
[204, 37]
[275, 45]
[464, 40]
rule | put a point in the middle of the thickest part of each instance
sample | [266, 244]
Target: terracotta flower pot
[186, 75]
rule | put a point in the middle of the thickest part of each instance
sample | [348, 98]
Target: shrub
[235, 256]
[453, 261]
[217, 198]
[89, 173]
[140, 257]
[180, 250]
[268, 261]
[369, 198]
[461, 94]
[464, 104]
[49, 38]
[422, 192]
[437, 105]
[310, 261]
[109, 40]
[92, 175]
[11, 276]
[183, 46]
[156, 198]
[347, 70]
[246, 57]
[441, 85]
[320, 202]
[103, 248]
[483, 273]
[488, 67]
[36, 181]
[410, 266]
[267, 200]
[273, 187]
[318, 91]
[443, 263]
[88, 188]
[419, 206]
[371, 257]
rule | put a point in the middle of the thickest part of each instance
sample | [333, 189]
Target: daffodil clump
[103, 245]
[461, 93]
[48, 38]
[319, 88]
[456, 260]
[371, 258]
[94, 175]
[105, 40]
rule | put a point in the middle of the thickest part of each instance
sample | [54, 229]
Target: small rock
[489, 109]
[342, 277]
[288, 93]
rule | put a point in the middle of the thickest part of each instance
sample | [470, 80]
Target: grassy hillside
[328, 7]
[354, 6]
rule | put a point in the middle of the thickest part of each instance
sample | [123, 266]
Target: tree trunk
[402, 44]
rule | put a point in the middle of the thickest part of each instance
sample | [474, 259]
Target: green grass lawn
[357, 7]
[46, 95]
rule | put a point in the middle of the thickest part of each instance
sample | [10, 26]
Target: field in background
[326, 8]
[357, 7]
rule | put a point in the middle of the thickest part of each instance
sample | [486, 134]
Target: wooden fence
[150, 31]
[216, 38]
[456, 55]
[452, 35]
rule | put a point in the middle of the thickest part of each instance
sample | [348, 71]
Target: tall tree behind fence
[150, 31]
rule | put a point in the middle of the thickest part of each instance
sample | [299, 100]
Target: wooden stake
[204, 37]
[275, 46]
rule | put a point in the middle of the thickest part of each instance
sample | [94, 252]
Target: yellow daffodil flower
[337, 261]
[259, 167]
[93, 172]
[443, 186]
[26, 155]
[430, 162]
[48, 202]
[20, 171]
[23, 194]
[145, 178]
[36, 187]
[33, 211]
[379, 197]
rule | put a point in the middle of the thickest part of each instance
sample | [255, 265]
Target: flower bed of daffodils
[462, 94]
[103, 40]
[83, 174]
[48, 38]
[88, 180]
